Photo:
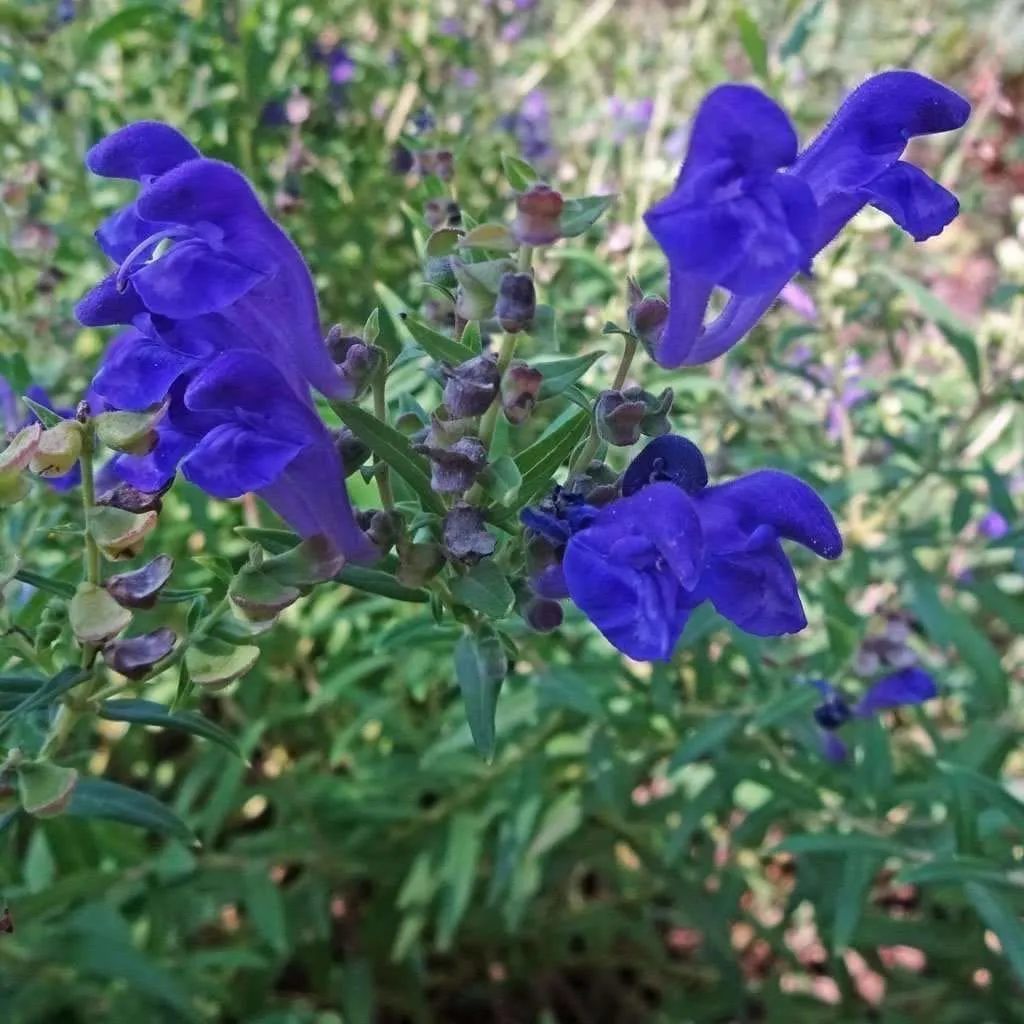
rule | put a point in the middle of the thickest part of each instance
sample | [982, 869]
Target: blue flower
[12, 421]
[908, 686]
[747, 212]
[196, 242]
[672, 542]
[531, 125]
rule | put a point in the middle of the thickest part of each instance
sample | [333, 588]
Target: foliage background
[619, 859]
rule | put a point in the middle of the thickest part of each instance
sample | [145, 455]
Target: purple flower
[630, 117]
[993, 525]
[197, 243]
[645, 561]
[222, 325]
[908, 686]
[531, 125]
[11, 420]
[452, 27]
[748, 212]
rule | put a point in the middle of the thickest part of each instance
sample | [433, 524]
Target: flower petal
[231, 460]
[667, 458]
[733, 511]
[872, 127]
[919, 205]
[107, 304]
[833, 748]
[138, 150]
[908, 686]
[138, 371]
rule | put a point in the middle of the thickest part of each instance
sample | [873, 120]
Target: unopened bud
[135, 657]
[517, 302]
[357, 361]
[439, 162]
[618, 418]
[538, 216]
[519, 390]
[353, 450]
[141, 587]
[131, 499]
[402, 159]
[382, 527]
[647, 317]
[540, 613]
[471, 387]
[58, 450]
[455, 469]
[466, 539]
[419, 563]
[442, 213]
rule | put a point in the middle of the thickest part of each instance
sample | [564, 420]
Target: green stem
[92, 550]
[380, 410]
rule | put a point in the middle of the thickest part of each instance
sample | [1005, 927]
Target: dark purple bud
[647, 316]
[358, 361]
[131, 499]
[833, 713]
[618, 418]
[457, 457]
[419, 563]
[402, 159]
[438, 162]
[538, 216]
[519, 390]
[540, 613]
[544, 566]
[517, 302]
[353, 451]
[471, 387]
[140, 587]
[383, 528]
[655, 420]
[442, 213]
[466, 539]
[136, 656]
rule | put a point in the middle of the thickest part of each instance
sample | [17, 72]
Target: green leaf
[472, 339]
[753, 43]
[100, 798]
[461, 860]
[847, 842]
[480, 668]
[45, 583]
[518, 173]
[149, 712]
[275, 541]
[794, 43]
[1002, 919]
[957, 870]
[859, 870]
[563, 688]
[265, 908]
[435, 344]
[560, 374]
[580, 214]
[502, 479]
[47, 417]
[999, 496]
[797, 700]
[989, 790]
[539, 462]
[66, 679]
[373, 581]
[357, 994]
[706, 739]
[544, 329]
[946, 625]
[394, 448]
[956, 331]
[484, 589]
[137, 16]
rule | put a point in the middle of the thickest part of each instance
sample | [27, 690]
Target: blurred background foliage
[620, 858]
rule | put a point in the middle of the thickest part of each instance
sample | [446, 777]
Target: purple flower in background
[531, 125]
[12, 420]
[223, 324]
[993, 525]
[630, 117]
[907, 687]
[799, 301]
[748, 212]
[853, 394]
[452, 27]
[671, 542]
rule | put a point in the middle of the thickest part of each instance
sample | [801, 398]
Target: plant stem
[92, 550]
[380, 410]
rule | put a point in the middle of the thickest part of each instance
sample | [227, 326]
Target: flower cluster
[639, 565]
[223, 329]
[749, 211]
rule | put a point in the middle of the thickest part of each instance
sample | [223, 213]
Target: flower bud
[358, 362]
[519, 390]
[382, 527]
[455, 468]
[258, 596]
[647, 317]
[214, 664]
[45, 789]
[442, 213]
[517, 302]
[618, 418]
[402, 159]
[58, 450]
[541, 614]
[478, 287]
[439, 162]
[538, 215]
[131, 499]
[353, 450]
[466, 539]
[20, 450]
[95, 616]
[544, 566]
[419, 563]
[471, 387]
[655, 420]
[120, 534]
[136, 656]
[140, 587]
